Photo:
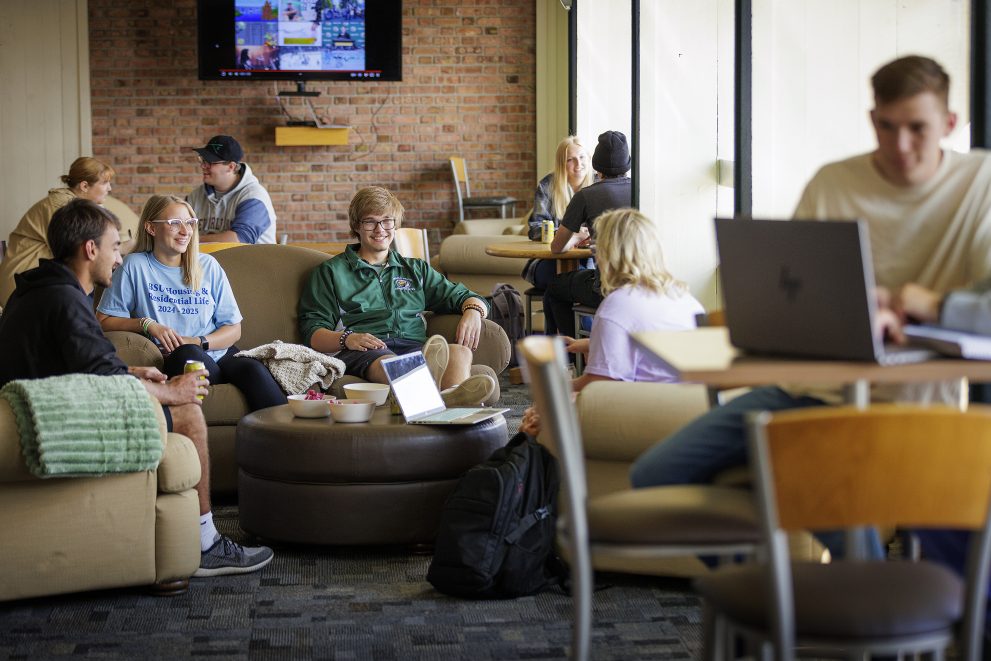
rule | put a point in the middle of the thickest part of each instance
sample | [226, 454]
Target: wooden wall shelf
[307, 136]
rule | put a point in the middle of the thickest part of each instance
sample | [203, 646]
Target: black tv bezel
[382, 57]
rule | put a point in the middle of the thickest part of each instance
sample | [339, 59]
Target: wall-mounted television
[300, 39]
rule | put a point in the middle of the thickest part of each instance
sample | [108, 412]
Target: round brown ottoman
[317, 481]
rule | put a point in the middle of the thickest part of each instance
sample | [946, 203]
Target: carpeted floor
[348, 603]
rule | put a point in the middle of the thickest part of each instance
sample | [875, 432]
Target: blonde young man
[928, 211]
[366, 304]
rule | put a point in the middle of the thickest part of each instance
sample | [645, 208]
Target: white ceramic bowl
[379, 392]
[310, 408]
[352, 410]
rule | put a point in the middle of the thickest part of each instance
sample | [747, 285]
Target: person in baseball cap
[611, 159]
[232, 206]
[221, 148]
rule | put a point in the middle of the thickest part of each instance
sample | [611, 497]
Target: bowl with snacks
[313, 404]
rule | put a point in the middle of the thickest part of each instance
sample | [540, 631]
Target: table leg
[565, 265]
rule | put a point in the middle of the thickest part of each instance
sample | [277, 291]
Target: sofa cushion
[267, 281]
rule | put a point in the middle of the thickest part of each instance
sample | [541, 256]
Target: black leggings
[252, 378]
[562, 293]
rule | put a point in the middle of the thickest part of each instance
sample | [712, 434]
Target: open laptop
[803, 288]
[419, 398]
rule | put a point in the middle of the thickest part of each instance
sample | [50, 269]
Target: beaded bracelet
[473, 306]
[344, 337]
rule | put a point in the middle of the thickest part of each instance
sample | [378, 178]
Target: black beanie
[612, 155]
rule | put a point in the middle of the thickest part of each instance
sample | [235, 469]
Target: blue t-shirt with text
[144, 287]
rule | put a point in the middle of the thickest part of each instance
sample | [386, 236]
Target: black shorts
[168, 417]
[356, 363]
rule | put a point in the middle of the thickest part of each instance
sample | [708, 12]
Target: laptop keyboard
[899, 355]
[451, 414]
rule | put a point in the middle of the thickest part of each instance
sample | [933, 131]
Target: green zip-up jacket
[347, 292]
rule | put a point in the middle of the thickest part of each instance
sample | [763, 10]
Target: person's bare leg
[188, 420]
[458, 366]
[376, 373]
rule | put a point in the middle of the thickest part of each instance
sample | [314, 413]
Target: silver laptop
[419, 398]
[803, 288]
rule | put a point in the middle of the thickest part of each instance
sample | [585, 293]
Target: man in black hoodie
[49, 328]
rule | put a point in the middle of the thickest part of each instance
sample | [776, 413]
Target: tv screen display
[300, 39]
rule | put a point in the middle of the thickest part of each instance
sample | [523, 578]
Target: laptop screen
[412, 385]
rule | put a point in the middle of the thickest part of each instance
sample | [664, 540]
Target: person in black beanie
[612, 161]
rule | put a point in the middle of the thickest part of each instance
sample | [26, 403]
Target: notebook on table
[803, 288]
[420, 400]
[950, 342]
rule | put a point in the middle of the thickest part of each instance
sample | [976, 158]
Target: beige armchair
[72, 534]
[267, 281]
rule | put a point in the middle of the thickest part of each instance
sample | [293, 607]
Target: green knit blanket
[80, 424]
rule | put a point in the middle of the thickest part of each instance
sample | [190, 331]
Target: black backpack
[506, 309]
[496, 536]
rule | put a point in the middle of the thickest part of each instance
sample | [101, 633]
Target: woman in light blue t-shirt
[182, 300]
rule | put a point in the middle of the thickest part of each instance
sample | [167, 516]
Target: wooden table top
[534, 250]
[705, 355]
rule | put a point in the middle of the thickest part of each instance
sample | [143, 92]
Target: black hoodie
[48, 328]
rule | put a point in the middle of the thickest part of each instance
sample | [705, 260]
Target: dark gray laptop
[418, 396]
[802, 288]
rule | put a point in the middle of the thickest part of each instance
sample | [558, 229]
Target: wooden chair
[412, 242]
[505, 204]
[835, 468]
[643, 523]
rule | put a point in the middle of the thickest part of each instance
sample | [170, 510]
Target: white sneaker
[436, 353]
[471, 392]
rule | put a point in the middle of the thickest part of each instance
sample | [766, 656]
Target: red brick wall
[468, 88]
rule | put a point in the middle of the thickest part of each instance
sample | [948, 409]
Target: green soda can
[194, 366]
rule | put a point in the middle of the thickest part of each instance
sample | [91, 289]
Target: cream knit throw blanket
[81, 424]
[296, 367]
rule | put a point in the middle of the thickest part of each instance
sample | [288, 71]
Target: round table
[317, 481]
[566, 261]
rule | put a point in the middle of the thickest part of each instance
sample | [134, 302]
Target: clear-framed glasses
[210, 164]
[175, 223]
[385, 223]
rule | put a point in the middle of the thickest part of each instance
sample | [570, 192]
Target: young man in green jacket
[366, 304]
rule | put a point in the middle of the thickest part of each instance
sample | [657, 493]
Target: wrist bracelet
[146, 322]
[473, 306]
[344, 337]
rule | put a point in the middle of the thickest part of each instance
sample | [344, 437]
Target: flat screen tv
[300, 39]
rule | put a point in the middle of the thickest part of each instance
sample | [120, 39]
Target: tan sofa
[462, 255]
[72, 534]
[267, 281]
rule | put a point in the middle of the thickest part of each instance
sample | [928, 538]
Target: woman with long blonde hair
[572, 172]
[640, 295]
[181, 299]
[89, 179]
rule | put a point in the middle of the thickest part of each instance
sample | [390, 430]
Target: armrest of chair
[493, 347]
[179, 468]
[619, 420]
[136, 350]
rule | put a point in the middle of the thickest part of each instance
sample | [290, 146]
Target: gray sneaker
[228, 557]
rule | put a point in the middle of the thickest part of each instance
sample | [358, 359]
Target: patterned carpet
[348, 603]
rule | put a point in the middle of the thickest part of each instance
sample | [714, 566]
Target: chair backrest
[329, 247]
[412, 242]
[217, 246]
[550, 388]
[267, 281]
[888, 465]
